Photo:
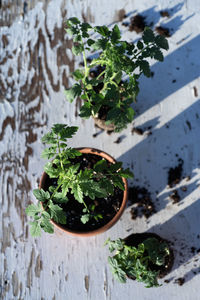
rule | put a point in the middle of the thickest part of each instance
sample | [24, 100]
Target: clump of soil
[137, 130]
[143, 205]
[164, 13]
[180, 281]
[163, 31]
[137, 23]
[107, 207]
[175, 174]
[175, 197]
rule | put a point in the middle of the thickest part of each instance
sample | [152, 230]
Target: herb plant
[71, 179]
[117, 60]
[136, 262]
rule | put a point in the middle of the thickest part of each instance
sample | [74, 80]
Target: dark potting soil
[163, 31]
[136, 239]
[175, 174]
[137, 23]
[108, 206]
[143, 205]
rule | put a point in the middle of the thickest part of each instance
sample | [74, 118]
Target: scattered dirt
[184, 188]
[143, 205]
[175, 174]
[188, 124]
[119, 139]
[180, 281]
[164, 13]
[163, 31]
[175, 197]
[174, 80]
[195, 91]
[121, 14]
[137, 23]
[137, 130]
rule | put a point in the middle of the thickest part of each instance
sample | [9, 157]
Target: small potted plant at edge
[82, 191]
[108, 83]
[144, 257]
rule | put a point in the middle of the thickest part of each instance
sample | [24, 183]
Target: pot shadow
[182, 230]
[152, 157]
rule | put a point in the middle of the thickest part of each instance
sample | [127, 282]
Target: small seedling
[121, 63]
[136, 262]
[69, 178]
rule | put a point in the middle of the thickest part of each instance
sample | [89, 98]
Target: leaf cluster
[118, 59]
[135, 262]
[98, 182]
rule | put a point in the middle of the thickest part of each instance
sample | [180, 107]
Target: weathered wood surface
[35, 62]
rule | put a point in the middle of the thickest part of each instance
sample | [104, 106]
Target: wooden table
[35, 62]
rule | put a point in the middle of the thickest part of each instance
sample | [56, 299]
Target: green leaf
[60, 198]
[57, 213]
[41, 195]
[144, 67]
[126, 173]
[86, 110]
[49, 152]
[73, 21]
[100, 166]
[158, 55]
[117, 181]
[148, 35]
[32, 210]
[85, 218]
[100, 44]
[161, 42]
[78, 74]
[77, 49]
[115, 34]
[103, 30]
[78, 193]
[51, 171]
[140, 45]
[90, 42]
[47, 226]
[73, 92]
[35, 229]
[49, 138]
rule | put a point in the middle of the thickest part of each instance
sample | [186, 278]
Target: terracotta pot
[118, 214]
[137, 238]
[102, 124]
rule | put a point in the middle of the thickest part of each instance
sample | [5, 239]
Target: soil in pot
[136, 239]
[107, 207]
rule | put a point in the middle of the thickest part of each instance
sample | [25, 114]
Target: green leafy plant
[117, 59]
[98, 181]
[136, 262]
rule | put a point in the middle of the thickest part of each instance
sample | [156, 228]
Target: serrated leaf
[78, 74]
[161, 42]
[158, 55]
[78, 193]
[148, 35]
[144, 67]
[100, 44]
[32, 210]
[103, 30]
[49, 138]
[35, 229]
[77, 49]
[60, 198]
[140, 45]
[126, 173]
[51, 171]
[100, 166]
[73, 20]
[117, 181]
[49, 152]
[57, 213]
[46, 225]
[86, 110]
[85, 218]
[73, 92]
[115, 34]
[41, 195]
[90, 42]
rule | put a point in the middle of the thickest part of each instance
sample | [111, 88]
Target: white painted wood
[35, 62]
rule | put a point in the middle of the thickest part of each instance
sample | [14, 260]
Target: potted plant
[143, 256]
[108, 82]
[82, 191]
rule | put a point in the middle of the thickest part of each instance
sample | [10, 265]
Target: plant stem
[59, 152]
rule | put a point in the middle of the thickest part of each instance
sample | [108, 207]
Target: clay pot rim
[117, 215]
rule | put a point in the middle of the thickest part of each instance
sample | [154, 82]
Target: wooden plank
[35, 63]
